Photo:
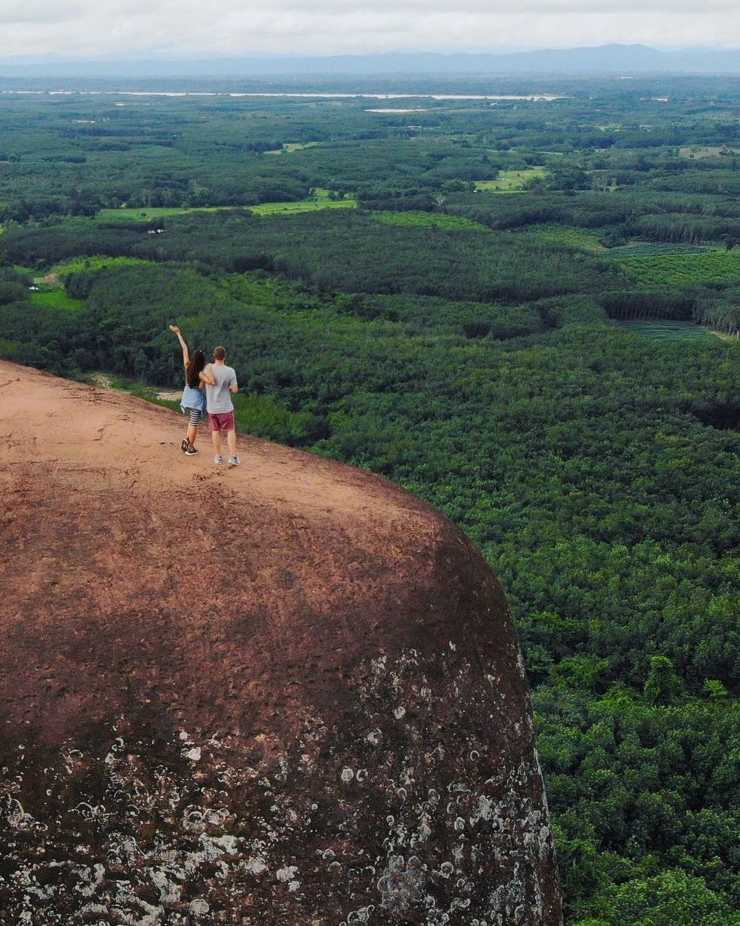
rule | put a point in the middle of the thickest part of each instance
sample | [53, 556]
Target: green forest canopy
[464, 344]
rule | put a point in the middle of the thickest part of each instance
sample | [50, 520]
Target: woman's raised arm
[183, 344]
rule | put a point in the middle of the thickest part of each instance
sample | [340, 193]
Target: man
[220, 407]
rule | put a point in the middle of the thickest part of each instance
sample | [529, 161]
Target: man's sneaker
[184, 445]
[218, 460]
[234, 461]
[191, 451]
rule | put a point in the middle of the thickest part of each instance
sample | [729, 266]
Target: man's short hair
[219, 353]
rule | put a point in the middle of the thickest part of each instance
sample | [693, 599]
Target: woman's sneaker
[218, 460]
[234, 461]
[184, 445]
[190, 450]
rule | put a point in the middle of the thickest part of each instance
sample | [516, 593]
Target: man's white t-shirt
[218, 397]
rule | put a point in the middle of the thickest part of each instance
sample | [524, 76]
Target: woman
[193, 402]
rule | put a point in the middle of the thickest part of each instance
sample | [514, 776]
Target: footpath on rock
[284, 693]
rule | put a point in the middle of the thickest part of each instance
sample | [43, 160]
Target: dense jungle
[521, 301]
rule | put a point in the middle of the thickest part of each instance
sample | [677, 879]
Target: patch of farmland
[149, 214]
[683, 268]
[55, 299]
[291, 146]
[707, 151]
[428, 219]
[646, 248]
[511, 181]
[662, 330]
[319, 199]
[566, 235]
[79, 264]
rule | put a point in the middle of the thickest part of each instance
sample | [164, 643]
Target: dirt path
[95, 426]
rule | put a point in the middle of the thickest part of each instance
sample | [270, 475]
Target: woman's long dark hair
[197, 362]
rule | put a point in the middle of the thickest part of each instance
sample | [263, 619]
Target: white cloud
[180, 28]
[41, 11]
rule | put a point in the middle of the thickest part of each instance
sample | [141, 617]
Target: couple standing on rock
[208, 390]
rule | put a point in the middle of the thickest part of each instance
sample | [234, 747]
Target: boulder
[285, 694]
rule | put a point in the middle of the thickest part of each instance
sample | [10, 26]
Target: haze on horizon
[64, 29]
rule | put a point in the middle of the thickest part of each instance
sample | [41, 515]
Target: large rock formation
[287, 694]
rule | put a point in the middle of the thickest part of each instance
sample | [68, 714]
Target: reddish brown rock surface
[287, 694]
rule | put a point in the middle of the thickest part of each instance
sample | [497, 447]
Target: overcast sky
[187, 28]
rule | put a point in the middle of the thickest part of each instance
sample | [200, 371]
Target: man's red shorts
[222, 422]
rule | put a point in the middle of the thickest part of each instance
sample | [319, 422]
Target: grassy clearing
[668, 330]
[319, 199]
[567, 235]
[78, 264]
[698, 152]
[145, 215]
[291, 146]
[511, 181]
[55, 299]
[302, 205]
[649, 248]
[683, 269]
[428, 219]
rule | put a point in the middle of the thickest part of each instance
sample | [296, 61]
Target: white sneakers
[233, 461]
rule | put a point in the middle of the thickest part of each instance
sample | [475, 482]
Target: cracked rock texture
[287, 694]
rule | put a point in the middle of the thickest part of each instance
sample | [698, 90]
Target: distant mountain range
[602, 60]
